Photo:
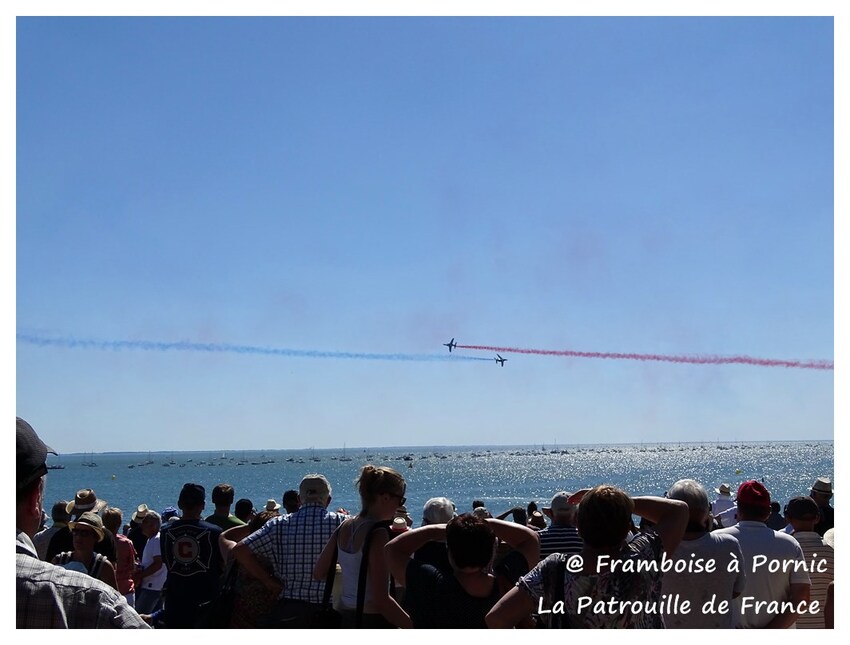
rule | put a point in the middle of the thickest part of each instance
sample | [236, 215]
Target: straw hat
[140, 513]
[91, 520]
[723, 490]
[272, 505]
[822, 485]
[86, 500]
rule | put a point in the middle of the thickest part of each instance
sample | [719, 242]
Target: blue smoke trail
[227, 348]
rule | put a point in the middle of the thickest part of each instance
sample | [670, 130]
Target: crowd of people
[580, 562]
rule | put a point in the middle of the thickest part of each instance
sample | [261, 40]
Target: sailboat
[344, 458]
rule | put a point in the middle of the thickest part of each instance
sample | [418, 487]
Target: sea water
[500, 476]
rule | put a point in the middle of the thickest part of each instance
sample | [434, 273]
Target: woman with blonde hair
[358, 546]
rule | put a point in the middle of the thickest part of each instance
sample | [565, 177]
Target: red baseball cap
[753, 493]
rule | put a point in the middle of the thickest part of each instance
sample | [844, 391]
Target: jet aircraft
[451, 345]
[500, 360]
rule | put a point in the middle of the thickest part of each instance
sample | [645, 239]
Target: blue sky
[380, 185]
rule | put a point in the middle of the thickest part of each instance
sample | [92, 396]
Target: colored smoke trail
[814, 364]
[226, 348]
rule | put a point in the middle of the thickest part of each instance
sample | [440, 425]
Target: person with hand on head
[604, 519]
[462, 597]
[47, 595]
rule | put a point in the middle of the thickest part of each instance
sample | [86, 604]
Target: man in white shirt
[774, 564]
[151, 577]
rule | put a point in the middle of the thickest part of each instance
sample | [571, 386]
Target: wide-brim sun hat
[140, 513]
[90, 520]
[86, 500]
[823, 485]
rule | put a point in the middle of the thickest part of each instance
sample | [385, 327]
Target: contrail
[814, 364]
[226, 348]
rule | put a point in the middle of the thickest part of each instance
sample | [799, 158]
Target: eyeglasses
[83, 533]
[401, 498]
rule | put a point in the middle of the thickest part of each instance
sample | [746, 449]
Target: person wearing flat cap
[789, 582]
[822, 492]
[47, 595]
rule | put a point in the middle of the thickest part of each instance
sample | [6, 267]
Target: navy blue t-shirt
[190, 553]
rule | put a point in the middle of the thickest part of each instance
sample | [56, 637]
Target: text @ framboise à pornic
[673, 603]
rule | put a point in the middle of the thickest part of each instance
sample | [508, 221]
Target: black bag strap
[364, 569]
[229, 577]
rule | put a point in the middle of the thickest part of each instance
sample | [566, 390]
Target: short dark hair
[243, 509]
[753, 512]
[223, 494]
[291, 501]
[470, 541]
[59, 512]
[477, 504]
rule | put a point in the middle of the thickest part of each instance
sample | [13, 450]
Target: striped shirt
[50, 596]
[823, 557]
[293, 543]
[559, 539]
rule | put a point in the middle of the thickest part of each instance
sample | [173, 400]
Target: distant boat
[344, 457]
[56, 467]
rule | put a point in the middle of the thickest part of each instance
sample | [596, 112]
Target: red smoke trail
[815, 364]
